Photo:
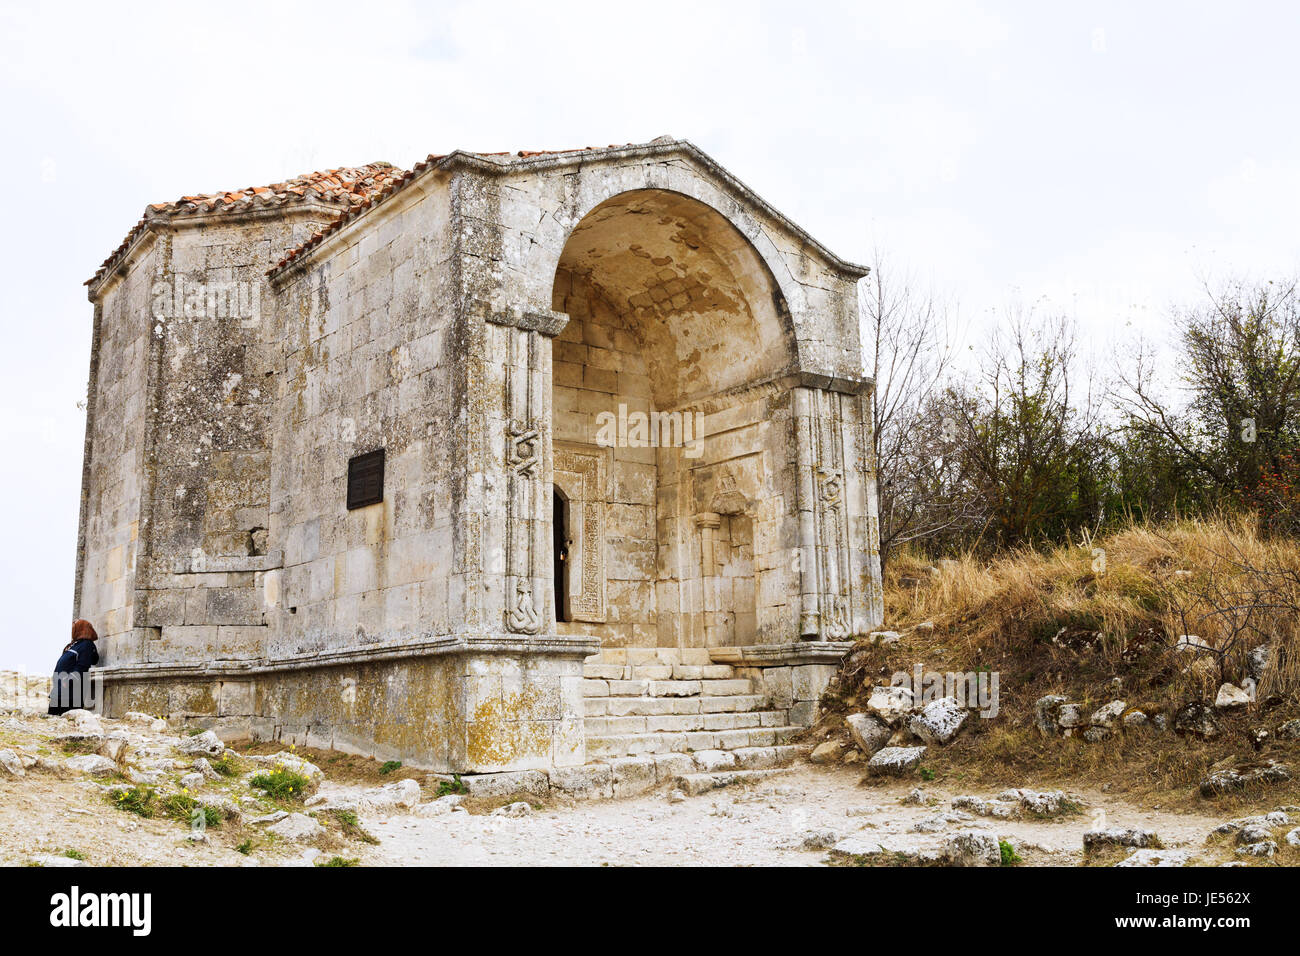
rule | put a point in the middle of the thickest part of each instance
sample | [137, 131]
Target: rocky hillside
[1157, 662]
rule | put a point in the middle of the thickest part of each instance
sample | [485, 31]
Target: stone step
[633, 745]
[630, 776]
[644, 687]
[682, 723]
[664, 706]
[694, 784]
[658, 671]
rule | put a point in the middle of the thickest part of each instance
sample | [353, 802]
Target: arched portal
[665, 384]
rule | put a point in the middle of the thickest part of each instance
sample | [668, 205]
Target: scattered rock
[941, 821]
[84, 721]
[403, 793]
[1039, 803]
[519, 808]
[11, 764]
[1135, 720]
[1239, 778]
[296, 826]
[1109, 715]
[939, 722]
[869, 732]
[49, 859]
[202, 766]
[917, 797]
[442, 806]
[891, 704]
[114, 747]
[1095, 735]
[1001, 809]
[1190, 643]
[1254, 833]
[828, 751]
[1257, 662]
[1290, 730]
[896, 760]
[1069, 716]
[1119, 836]
[91, 764]
[293, 762]
[274, 817]
[1046, 711]
[973, 848]
[1264, 848]
[156, 724]
[204, 743]
[192, 781]
[1156, 858]
[1196, 719]
[1293, 838]
[820, 839]
[1230, 697]
[884, 638]
[676, 796]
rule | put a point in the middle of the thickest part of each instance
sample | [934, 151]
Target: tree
[910, 335]
[1238, 371]
[1028, 434]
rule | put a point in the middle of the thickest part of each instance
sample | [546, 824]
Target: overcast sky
[1104, 155]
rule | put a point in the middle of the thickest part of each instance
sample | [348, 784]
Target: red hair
[83, 630]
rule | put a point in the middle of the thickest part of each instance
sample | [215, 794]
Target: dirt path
[766, 825]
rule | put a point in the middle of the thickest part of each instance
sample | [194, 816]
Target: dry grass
[1061, 621]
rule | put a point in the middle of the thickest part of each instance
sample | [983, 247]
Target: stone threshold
[778, 655]
[632, 776]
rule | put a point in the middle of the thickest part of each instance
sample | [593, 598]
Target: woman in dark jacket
[68, 689]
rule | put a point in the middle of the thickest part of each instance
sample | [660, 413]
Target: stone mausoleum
[503, 462]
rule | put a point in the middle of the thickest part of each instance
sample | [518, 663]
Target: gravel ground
[763, 825]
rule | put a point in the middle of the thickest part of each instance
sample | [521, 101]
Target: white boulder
[939, 722]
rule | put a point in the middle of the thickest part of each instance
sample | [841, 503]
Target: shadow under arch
[703, 307]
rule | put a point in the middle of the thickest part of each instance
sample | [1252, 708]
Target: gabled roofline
[500, 164]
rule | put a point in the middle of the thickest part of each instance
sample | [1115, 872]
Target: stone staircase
[645, 702]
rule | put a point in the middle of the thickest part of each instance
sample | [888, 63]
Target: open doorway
[560, 526]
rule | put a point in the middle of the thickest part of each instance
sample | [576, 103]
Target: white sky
[1103, 156]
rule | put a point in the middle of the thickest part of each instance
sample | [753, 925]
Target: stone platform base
[461, 704]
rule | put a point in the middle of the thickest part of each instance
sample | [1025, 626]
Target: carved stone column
[822, 425]
[525, 608]
[708, 523]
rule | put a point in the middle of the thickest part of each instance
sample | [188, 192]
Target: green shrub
[390, 765]
[74, 854]
[448, 787]
[1009, 855]
[350, 825]
[226, 765]
[138, 800]
[281, 784]
[340, 861]
[181, 807]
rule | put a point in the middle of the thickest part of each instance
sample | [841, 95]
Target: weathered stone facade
[623, 343]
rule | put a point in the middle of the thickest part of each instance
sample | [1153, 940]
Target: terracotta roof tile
[345, 187]
[396, 184]
[353, 189]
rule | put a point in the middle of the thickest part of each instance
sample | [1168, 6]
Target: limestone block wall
[114, 477]
[372, 359]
